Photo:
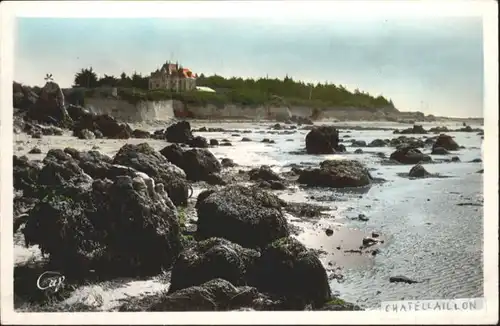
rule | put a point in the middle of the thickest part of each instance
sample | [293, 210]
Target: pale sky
[433, 65]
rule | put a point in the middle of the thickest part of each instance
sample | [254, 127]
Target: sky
[428, 64]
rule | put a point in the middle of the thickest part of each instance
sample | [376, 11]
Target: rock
[377, 143]
[368, 242]
[480, 171]
[210, 259]
[267, 140]
[409, 155]
[418, 171]
[36, 135]
[49, 108]
[214, 142]
[144, 158]
[228, 163]
[322, 140]
[358, 143]
[438, 129]
[199, 164]
[179, 132]
[476, 160]
[198, 142]
[245, 215]
[416, 129]
[25, 175]
[35, 150]
[108, 126]
[91, 228]
[375, 235]
[339, 305]
[287, 268]
[362, 217]
[23, 96]
[245, 139]
[174, 154]
[401, 279]
[380, 154]
[226, 144]
[358, 151]
[329, 232]
[337, 174]
[445, 142]
[86, 134]
[264, 173]
[455, 159]
[137, 133]
[439, 151]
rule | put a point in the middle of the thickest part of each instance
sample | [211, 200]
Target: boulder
[377, 143]
[264, 173]
[439, 151]
[358, 143]
[144, 158]
[25, 174]
[108, 126]
[248, 216]
[416, 129]
[179, 132]
[49, 107]
[198, 142]
[358, 151]
[418, 171]
[214, 142]
[23, 96]
[286, 267]
[228, 163]
[92, 228]
[137, 133]
[336, 174]
[199, 164]
[210, 259]
[446, 142]
[409, 155]
[322, 140]
[86, 134]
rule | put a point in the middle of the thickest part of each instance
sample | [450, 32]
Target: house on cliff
[173, 77]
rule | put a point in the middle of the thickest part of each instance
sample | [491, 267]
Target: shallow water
[427, 236]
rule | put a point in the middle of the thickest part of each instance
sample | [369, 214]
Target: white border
[276, 12]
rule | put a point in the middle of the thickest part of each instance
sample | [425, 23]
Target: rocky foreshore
[97, 217]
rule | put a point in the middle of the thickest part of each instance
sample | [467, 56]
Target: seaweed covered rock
[446, 142]
[92, 229]
[199, 142]
[198, 164]
[23, 96]
[286, 267]
[25, 174]
[409, 155]
[138, 133]
[210, 259]
[49, 107]
[214, 295]
[248, 216]
[144, 158]
[416, 129]
[322, 140]
[418, 171]
[179, 132]
[336, 174]
[105, 124]
[264, 173]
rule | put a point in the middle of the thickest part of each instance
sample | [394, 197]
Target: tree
[86, 78]
[108, 81]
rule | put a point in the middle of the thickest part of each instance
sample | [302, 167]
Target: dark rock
[23, 96]
[35, 150]
[228, 163]
[214, 142]
[416, 129]
[264, 173]
[108, 126]
[226, 144]
[174, 154]
[337, 174]
[439, 151]
[144, 158]
[322, 140]
[287, 268]
[199, 164]
[446, 142]
[358, 151]
[198, 142]
[377, 143]
[210, 259]
[409, 155]
[137, 133]
[248, 216]
[92, 228]
[339, 305]
[25, 174]
[269, 141]
[418, 171]
[49, 108]
[246, 139]
[85, 134]
[455, 159]
[358, 143]
[476, 160]
[179, 132]
[401, 279]
[438, 129]
[329, 232]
